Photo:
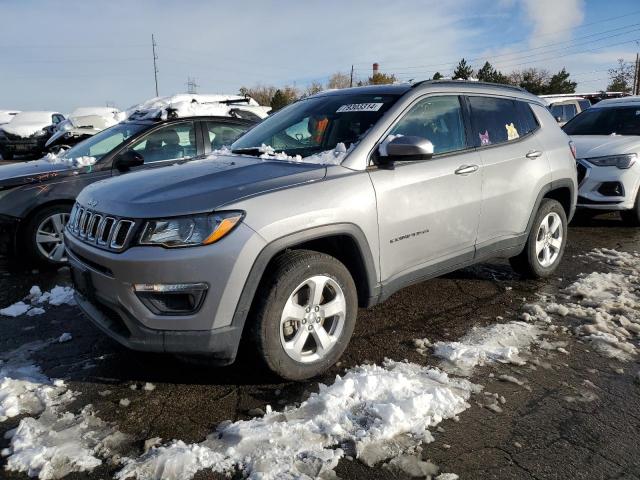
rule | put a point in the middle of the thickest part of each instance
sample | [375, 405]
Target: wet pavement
[575, 416]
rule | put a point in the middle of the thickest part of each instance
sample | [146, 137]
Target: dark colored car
[27, 134]
[36, 197]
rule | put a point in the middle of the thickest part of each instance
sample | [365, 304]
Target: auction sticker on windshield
[360, 107]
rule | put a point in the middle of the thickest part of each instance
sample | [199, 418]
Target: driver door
[428, 210]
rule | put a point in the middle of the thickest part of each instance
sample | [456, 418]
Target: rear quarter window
[499, 120]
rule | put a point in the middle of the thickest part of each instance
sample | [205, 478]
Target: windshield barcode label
[360, 107]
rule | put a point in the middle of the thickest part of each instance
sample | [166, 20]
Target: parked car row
[332, 203]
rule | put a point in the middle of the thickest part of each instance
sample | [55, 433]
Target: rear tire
[43, 238]
[545, 244]
[293, 329]
[631, 217]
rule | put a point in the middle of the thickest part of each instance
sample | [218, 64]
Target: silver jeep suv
[331, 204]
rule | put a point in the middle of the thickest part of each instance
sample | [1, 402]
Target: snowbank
[56, 296]
[57, 442]
[368, 406]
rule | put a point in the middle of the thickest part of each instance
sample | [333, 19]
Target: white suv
[607, 140]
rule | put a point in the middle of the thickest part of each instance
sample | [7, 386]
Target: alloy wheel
[313, 319]
[50, 237]
[549, 240]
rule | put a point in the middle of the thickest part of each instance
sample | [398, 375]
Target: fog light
[611, 189]
[171, 298]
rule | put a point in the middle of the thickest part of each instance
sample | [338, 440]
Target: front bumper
[26, 146]
[8, 232]
[595, 188]
[110, 302]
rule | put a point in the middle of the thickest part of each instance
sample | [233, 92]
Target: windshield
[320, 124]
[104, 142]
[605, 121]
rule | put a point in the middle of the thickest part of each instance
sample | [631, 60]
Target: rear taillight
[572, 147]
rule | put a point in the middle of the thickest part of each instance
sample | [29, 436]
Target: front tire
[305, 315]
[44, 236]
[546, 242]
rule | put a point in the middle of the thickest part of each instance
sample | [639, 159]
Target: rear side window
[497, 120]
[528, 121]
[584, 104]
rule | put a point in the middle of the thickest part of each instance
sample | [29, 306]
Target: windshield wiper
[248, 151]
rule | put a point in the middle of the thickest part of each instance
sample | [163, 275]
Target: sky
[58, 55]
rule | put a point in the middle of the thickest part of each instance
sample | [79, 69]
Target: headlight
[620, 161]
[40, 133]
[190, 231]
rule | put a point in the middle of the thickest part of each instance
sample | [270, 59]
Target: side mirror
[127, 160]
[405, 148]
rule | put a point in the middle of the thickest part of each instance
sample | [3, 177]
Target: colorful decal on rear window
[512, 132]
[360, 107]
[484, 138]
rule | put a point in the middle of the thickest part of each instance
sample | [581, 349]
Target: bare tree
[621, 77]
[260, 93]
[339, 80]
[312, 89]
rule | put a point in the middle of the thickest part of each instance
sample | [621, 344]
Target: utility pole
[351, 78]
[636, 76]
[192, 85]
[155, 65]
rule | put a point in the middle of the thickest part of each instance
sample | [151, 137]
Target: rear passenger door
[514, 165]
[428, 210]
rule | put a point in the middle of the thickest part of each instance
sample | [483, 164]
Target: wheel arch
[344, 241]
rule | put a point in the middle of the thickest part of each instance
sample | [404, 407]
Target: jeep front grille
[102, 230]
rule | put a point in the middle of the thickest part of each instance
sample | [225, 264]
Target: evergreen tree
[463, 71]
[560, 83]
[437, 76]
[379, 78]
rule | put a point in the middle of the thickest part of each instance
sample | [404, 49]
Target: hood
[36, 171]
[195, 187]
[588, 146]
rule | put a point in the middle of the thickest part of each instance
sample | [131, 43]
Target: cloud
[553, 20]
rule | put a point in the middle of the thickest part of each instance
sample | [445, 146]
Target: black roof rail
[469, 82]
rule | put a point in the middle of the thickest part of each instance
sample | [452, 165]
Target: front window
[316, 125]
[605, 121]
[104, 142]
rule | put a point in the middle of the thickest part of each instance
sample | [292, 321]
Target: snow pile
[56, 296]
[503, 342]
[610, 303]
[23, 387]
[26, 124]
[366, 407]
[607, 305]
[328, 157]
[83, 161]
[55, 443]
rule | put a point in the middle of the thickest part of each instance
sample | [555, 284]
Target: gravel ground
[552, 427]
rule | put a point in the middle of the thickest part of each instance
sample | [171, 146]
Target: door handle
[533, 154]
[465, 169]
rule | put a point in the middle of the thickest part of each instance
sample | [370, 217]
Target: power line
[471, 60]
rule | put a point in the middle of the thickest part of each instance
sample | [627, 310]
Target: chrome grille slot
[76, 222]
[104, 231]
[110, 233]
[84, 223]
[121, 234]
[92, 230]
